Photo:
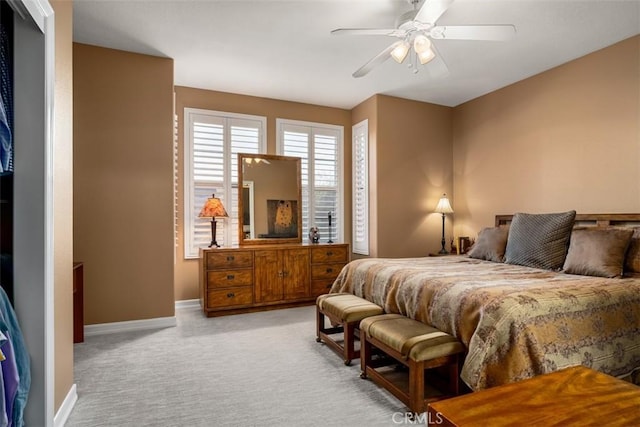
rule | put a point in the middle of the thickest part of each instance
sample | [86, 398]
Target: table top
[576, 396]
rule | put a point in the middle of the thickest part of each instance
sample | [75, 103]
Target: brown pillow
[539, 240]
[632, 261]
[597, 252]
[491, 244]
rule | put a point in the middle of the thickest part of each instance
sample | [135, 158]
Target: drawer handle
[231, 295]
[230, 258]
[329, 253]
[329, 270]
[230, 276]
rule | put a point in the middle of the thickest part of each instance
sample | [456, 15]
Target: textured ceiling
[284, 49]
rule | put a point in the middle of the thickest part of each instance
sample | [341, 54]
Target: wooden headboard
[599, 220]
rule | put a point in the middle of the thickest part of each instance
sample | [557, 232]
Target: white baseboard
[61, 417]
[139, 325]
[130, 325]
[188, 304]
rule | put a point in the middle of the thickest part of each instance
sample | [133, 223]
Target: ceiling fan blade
[367, 32]
[431, 10]
[376, 60]
[473, 32]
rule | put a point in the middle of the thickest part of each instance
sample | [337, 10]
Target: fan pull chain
[414, 63]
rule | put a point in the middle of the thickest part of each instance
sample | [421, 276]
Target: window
[212, 141]
[360, 150]
[320, 148]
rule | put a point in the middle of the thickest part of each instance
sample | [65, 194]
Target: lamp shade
[399, 53]
[426, 56]
[444, 207]
[421, 43]
[212, 208]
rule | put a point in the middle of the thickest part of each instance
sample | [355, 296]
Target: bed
[516, 321]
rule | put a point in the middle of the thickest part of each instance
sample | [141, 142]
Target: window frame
[190, 114]
[358, 130]
[281, 124]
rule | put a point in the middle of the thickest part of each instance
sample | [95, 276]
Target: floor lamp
[213, 208]
[444, 207]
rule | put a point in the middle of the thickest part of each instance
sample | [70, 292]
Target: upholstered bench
[345, 311]
[415, 345]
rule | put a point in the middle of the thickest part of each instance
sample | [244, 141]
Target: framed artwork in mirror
[282, 218]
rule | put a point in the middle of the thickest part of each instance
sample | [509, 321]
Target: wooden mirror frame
[267, 240]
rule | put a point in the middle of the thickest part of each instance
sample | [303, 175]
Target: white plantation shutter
[320, 148]
[212, 142]
[360, 170]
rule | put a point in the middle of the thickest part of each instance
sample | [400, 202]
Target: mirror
[270, 199]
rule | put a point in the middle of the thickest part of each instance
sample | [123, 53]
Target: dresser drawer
[229, 297]
[320, 287]
[224, 260]
[329, 254]
[325, 271]
[229, 278]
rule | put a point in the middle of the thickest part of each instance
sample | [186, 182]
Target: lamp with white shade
[444, 207]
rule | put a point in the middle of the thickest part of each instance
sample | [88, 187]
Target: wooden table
[576, 396]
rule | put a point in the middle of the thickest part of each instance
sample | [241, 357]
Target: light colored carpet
[259, 369]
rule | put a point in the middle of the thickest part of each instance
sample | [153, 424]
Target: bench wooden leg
[349, 343]
[454, 377]
[365, 355]
[319, 323]
[416, 386]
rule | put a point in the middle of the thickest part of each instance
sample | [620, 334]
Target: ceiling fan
[418, 28]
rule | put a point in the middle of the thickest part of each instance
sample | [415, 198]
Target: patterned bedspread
[516, 322]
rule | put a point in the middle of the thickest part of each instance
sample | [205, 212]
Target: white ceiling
[284, 50]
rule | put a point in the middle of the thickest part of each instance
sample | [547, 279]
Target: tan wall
[411, 166]
[186, 271]
[63, 203]
[568, 138]
[123, 183]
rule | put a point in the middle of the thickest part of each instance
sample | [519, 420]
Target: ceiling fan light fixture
[399, 53]
[426, 56]
[421, 43]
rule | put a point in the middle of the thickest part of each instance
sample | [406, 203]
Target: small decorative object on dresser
[314, 235]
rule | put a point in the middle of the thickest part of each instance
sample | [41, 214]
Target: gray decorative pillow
[539, 240]
[597, 251]
[632, 261]
[491, 244]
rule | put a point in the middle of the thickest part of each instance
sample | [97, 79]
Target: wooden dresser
[264, 277]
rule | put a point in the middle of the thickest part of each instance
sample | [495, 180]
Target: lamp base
[213, 234]
[443, 251]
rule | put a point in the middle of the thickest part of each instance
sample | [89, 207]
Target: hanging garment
[6, 102]
[4, 420]
[10, 376]
[6, 146]
[11, 329]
